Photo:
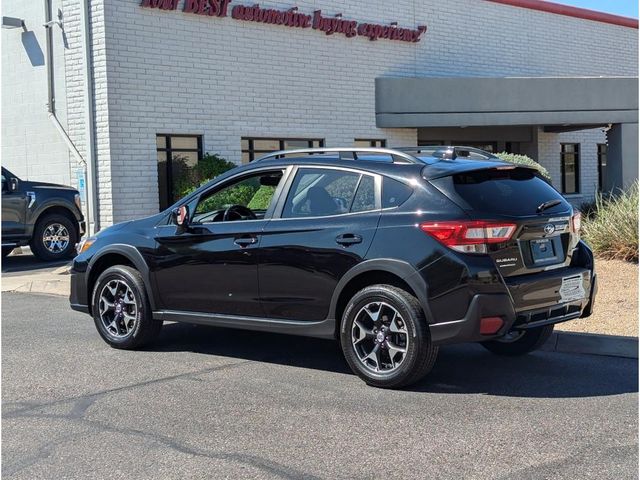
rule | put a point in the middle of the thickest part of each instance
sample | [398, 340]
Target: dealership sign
[292, 18]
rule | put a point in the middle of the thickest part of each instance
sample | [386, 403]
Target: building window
[253, 148]
[570, 165]
[366, 143]
[177, 155]
[602, 165]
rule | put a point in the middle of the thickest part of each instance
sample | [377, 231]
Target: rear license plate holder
[542, 250]
[572, 289]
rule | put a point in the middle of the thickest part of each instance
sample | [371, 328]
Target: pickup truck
[45, 216]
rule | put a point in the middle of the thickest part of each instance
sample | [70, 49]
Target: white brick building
[227, 84]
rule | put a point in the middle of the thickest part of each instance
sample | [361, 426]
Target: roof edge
[570, 11]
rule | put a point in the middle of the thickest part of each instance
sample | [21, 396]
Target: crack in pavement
[81, 404]
[34, 406]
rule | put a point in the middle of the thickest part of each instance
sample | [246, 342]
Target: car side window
[394, 193]
[365, 198]
[249, 196]
[319, 192]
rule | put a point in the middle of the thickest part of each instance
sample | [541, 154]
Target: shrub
[612, 231]
[187, 178]
[588, 209]
[262, 198]
[524, 160]
[237, 195]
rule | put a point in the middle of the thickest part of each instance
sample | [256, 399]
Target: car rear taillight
[576, 221]
[469, 236]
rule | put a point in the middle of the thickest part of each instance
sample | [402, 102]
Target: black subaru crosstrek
[393, 252]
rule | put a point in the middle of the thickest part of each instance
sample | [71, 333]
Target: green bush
[187, 178]
[523, 160]
[262, 198]
[612, 230]
[237, 195]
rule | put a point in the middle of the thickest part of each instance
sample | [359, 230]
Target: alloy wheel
[118, 308]
[379, 337]
[55, 238]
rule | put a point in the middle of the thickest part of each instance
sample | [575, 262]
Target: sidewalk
[52, 283]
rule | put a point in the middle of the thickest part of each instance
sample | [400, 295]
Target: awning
[480, 101]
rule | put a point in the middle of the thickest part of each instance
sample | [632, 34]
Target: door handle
[245, 241]
[348, 239]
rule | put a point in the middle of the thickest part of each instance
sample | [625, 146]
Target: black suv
[46, 216]
[392, 252]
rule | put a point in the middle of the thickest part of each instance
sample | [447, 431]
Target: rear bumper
[467, 329]
[516, 310]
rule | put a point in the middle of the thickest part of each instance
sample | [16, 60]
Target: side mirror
[181, 215]
[13, 184]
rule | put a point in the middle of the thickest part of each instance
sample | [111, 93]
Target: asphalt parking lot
[216, 403]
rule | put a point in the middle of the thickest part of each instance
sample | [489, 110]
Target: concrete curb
[56, 282]
[50, 287]
[50, 283]
[592, 344]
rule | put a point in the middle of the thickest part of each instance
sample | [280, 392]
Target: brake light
[576, 220]
[470, 236]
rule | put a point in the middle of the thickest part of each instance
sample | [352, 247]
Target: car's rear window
[506, 192]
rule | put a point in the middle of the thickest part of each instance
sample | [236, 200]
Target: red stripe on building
[570, 11]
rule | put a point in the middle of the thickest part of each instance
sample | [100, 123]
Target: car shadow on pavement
[28, 263]
[460, 369]
[265, 347]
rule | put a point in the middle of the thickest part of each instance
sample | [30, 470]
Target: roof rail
[349, 153]
[447, 152]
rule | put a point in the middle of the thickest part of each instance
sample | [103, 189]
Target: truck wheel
[520, 342]
[121, 309]
[54, 237]
[385, 338]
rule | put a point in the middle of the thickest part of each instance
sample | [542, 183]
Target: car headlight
[85, 244]
[77, 201]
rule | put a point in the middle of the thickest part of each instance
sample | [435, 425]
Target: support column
[622, 156]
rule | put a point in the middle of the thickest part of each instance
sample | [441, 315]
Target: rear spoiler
[445, 169]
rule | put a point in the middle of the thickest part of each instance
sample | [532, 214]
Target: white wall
[31, 147]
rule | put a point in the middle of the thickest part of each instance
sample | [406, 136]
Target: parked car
[46, 216]
[391, 252]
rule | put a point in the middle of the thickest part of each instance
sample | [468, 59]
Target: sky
[627, 8]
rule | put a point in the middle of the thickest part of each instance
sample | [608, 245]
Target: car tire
[54, 237]
[121, 310]
[382, 319]
[527, 341]
[6, 251]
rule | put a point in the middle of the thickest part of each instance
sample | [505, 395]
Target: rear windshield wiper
[551, 203]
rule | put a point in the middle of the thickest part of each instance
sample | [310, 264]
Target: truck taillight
[469, 236]
[576, 221]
